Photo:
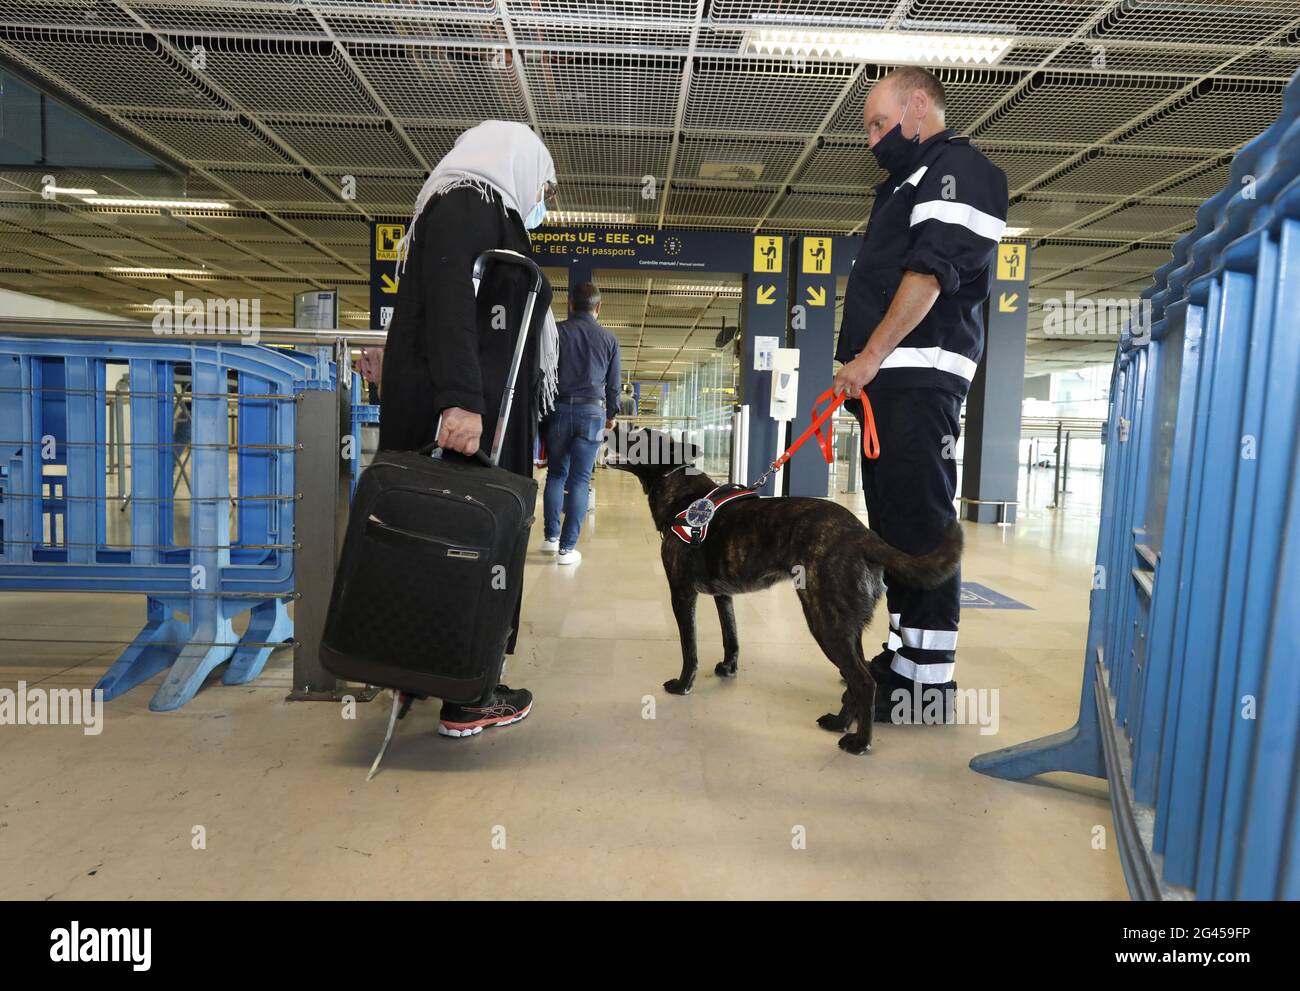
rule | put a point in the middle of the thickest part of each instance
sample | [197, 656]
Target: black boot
[897, 701]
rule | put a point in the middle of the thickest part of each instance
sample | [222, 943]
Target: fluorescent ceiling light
[744, 171]
[887, 47]
[68, 190]
[671, 347]
[157, 204]
[1014, 231]
[141, 272]
[565, 218]
[698, 287]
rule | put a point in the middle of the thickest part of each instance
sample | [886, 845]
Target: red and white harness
[692, 524]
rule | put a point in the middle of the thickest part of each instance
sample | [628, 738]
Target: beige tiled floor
[590, 798]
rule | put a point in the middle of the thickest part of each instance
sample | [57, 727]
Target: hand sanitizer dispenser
[785, 384]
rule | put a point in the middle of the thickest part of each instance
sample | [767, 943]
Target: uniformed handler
[912, 335]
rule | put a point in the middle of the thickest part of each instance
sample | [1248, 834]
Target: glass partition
[699, 405]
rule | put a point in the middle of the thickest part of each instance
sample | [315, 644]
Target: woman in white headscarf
[448, 353]
[444, 355]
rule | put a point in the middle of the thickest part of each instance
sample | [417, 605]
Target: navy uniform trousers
[909, 492]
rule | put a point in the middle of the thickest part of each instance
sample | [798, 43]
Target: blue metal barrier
[58, 519]
[362, 413]
[1191, 689]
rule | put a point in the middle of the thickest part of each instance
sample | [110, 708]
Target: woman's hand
[461, 430]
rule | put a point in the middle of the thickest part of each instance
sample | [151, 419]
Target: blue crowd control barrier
[362, 413]
[64, 528]
[1191, 689]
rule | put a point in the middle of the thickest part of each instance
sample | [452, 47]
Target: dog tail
[919, 570]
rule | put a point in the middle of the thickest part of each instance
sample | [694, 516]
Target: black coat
[443, 349]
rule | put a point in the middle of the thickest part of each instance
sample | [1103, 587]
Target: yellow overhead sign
[767, 254]
[1011, 262]
[386, 238]
[816, 255]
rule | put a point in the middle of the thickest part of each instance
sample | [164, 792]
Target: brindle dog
[837, 565]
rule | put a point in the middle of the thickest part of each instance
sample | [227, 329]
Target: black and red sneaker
[505, 706]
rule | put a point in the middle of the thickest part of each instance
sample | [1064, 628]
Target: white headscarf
[509, 158]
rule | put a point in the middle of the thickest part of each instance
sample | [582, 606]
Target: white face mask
[535, 216]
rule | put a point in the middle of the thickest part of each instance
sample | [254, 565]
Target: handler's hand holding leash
[870, 442]
[856, 375]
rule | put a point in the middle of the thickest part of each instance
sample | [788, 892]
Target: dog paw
[854, 743]
[725, 669]
[676, 686]
[833, 721]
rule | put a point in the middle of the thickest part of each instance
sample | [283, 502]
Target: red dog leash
[691, 525]
[870, 441]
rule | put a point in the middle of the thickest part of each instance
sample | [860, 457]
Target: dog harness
[692, 524]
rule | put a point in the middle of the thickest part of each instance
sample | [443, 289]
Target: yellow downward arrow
[766, 295]
[1007, 302]
[816, 295]
[387, 284]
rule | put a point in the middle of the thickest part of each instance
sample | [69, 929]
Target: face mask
[896, 153]
[535, 216]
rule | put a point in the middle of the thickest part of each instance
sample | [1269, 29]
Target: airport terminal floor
[702, 801]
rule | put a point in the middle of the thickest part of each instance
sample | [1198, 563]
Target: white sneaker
[570, 557]
[550, 546]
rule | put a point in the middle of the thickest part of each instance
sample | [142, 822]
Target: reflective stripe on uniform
[952, 212]
[935, 357]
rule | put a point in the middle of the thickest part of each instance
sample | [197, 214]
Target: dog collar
[691, 525]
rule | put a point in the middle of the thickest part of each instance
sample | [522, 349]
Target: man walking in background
[585, 407]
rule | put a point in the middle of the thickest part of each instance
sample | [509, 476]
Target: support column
[991, 459]
[812, 331]
[581, 270]
[763, 326]
[320, 513]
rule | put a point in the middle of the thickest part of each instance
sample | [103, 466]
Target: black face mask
[895, 153]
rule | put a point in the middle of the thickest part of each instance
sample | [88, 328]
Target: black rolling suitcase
[432, 564]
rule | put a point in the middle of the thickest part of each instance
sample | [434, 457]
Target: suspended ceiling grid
[1113, 121]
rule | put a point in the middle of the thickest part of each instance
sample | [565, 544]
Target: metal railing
[1190, 703]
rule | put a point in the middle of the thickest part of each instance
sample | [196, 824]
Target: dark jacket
[442, 347]
[589, 363]
[944, 218]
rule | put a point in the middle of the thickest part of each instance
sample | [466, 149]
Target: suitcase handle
[478, 456]
[502, 256]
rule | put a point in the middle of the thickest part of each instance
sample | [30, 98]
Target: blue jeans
[573, 436]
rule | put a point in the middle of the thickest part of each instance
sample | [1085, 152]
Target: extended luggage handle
[502, 256]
